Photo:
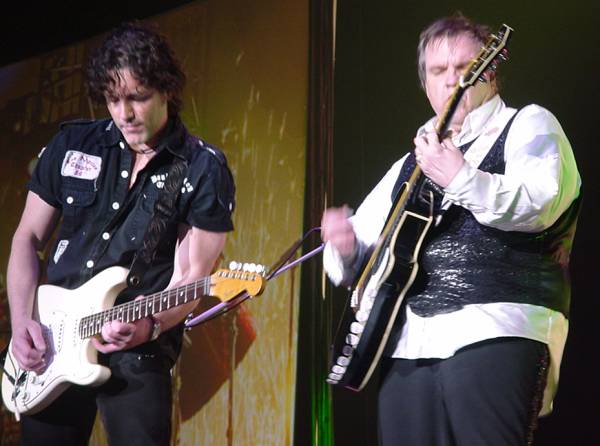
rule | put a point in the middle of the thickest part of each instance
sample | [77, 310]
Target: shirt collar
[474, 123]
[173, 141]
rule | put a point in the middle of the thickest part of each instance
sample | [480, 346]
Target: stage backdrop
[246, 64]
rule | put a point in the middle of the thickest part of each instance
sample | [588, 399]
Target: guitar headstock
[494, 51]
[225, 284]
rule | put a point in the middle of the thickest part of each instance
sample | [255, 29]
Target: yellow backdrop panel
[246, 64]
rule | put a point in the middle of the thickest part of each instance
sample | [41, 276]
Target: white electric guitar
[70, 318]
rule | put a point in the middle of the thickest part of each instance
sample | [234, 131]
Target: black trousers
[134, 405]
[488, 394]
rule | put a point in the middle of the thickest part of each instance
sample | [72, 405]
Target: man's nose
[126, 111]
[452, 77]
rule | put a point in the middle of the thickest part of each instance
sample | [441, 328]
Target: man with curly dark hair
[98, 182]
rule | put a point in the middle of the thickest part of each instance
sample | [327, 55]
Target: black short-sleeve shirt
[84, 171]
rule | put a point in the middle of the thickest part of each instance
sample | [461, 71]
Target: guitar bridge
[21, 379]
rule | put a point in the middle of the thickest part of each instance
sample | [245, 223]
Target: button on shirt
[540, 182]
[84, 171]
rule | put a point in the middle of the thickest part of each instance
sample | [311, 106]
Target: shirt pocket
[148, 199]
[76, 205]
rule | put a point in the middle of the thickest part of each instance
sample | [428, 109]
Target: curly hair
[448, 27]
[146, 53]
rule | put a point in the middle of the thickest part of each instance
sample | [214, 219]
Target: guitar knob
[356, 328]
[367, 303]
[347, 350]
[335, 377]
[338, 369]
[361, 316]
[352, 339]
[343, 361]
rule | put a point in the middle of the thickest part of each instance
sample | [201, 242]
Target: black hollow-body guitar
[393, 264]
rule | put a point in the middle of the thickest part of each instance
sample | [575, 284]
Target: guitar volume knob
[335, 377]
[338, 369]
[347, 350]
[343, 361]
[352, 339]
[356, 328]
[361, 316]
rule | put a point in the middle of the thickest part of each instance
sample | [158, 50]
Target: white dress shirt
[540, 182]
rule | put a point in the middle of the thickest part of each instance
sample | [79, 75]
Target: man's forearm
[22, 278]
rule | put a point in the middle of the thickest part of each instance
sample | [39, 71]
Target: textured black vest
[463, 262]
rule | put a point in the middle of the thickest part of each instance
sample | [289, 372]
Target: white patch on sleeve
[60, 249]
[187, 186]
[81, 165]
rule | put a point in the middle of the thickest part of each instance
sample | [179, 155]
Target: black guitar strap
[164, 210]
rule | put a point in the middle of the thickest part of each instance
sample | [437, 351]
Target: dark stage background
[379, 105]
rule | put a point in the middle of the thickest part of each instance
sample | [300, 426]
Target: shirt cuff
[461, 180]
[338, 271]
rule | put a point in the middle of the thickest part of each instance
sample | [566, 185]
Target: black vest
[463, 262]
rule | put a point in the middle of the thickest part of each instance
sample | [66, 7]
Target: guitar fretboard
[141, 308]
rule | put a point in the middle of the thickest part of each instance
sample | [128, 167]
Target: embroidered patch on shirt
[187, 186]
[159, 180]
[81, 165]
[60, 249]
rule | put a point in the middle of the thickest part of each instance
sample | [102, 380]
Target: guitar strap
[164, 210]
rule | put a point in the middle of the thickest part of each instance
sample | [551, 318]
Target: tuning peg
[493, 66]
[260, 269]
[482, 79]
[233, 265]
[503, 55]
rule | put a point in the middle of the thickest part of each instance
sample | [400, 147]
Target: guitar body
[71, 358]
[356, 356]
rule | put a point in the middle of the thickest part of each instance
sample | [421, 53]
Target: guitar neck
[412, 185]
[145, 307]
[444, 121]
